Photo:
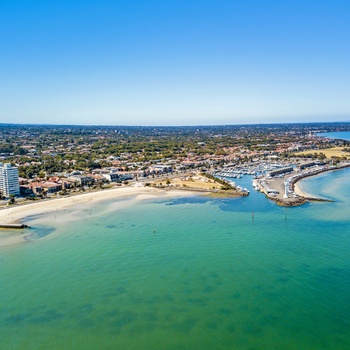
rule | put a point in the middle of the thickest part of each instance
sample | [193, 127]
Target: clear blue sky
[180, 62]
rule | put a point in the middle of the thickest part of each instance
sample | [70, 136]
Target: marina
[277, 180]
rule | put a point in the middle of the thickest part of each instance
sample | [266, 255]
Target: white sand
[299, 191]
[19, 213]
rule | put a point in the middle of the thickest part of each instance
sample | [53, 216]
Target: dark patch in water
[335, 281]
[111, 226]
[282, 279]
[38, 233]
[150, 317]
[176, 310]
[34, 217]
[137, 300]
[116, 293]
[305, 266]
[124, 318]
[268, 320]
[282, 270]
[212, 325]
[236, 295]
[86, 323]
[258, 287]
[225, 311]
[213, 275]
[168, 298]
[208, 289]
[18, 318]
[178, 346]
[109, 314]
[86, 308]
[190, 200]
[120, 290]
[253, 329]
[186, 325]
[198, 301]
[48, 316]
[188, 290]
[159, 299]
[257, 310]
[6, 311]
[143, 328]
[231, 328]
[244, 307]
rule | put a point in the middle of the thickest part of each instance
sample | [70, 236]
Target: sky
[174, 62]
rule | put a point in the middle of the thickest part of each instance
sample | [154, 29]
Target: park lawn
[328, 152]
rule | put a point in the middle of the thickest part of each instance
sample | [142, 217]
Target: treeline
[10, 148]
[224, 184]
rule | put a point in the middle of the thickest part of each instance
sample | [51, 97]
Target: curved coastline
[18, 213]
[309, 197]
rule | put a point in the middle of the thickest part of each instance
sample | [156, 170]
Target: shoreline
[301, 193]
[301, 197]
[17, 214]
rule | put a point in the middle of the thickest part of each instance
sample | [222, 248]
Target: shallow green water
[192, 273]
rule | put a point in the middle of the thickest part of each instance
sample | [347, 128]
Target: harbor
[278, 180]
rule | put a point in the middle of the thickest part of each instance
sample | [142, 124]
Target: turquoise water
[188, 273]
[343, 135]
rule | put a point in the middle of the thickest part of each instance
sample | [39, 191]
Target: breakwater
[314, 173]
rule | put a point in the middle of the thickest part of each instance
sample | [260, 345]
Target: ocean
[343, 135]
[187, 273]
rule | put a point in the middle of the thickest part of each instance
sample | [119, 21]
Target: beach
[18, 213]
[123, 195]
[300, 192]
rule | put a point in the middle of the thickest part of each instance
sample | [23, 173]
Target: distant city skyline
[174, 63]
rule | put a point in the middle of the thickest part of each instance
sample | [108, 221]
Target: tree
[12, 199]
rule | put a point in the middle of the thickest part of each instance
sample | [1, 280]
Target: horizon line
[176, 126]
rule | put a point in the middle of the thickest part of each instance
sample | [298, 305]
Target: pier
[14, 226]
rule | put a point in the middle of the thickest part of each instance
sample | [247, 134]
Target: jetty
[14, 226]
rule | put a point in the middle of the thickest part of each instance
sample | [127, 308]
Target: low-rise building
[82, 180]
[281, 171]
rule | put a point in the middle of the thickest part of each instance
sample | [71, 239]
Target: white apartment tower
[8, 180]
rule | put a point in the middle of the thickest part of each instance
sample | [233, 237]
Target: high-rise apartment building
[8, 180]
